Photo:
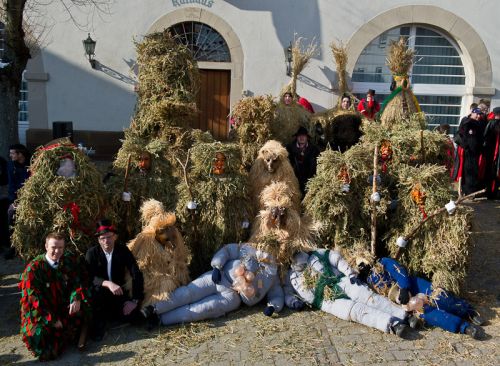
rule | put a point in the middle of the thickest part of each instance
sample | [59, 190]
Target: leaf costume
[46, 294]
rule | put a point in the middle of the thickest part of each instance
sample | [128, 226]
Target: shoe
[400, 329]
[476, 318]
[148, 312]
[414, 322]
[474, 331]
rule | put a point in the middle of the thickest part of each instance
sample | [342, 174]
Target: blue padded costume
[203, 299]
[445, 311]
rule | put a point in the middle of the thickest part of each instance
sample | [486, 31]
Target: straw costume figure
[160, 253]
[401, 103]
[272, 165]
[279, 228]
[290, 115]
[64, 194]
[324, 280]
[341, 124]
[434, 306]
[251, 119]
[213, 206]
[245, 272]
[146, 165]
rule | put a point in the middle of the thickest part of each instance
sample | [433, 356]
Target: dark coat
[122, 261]
[470, 139]
[17, 174]
[303, 162]
[492, 158]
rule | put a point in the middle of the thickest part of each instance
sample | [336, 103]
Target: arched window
[437, 75]
[205, 42]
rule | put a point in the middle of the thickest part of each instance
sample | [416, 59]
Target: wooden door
[213, 102]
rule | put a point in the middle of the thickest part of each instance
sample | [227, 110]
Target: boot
[474, 331]
[400, 329]
[149, 313]
[476, 318]
[414, 321]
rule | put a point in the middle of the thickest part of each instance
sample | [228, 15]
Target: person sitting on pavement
[435, 307]
[108, 262]
[54, 300]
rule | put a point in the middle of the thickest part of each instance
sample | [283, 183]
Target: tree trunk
[16, 54]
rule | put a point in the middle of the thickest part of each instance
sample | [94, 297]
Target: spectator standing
[303, 154]
[368, 106]
[470, 142]
[17, 173]
[492, 155]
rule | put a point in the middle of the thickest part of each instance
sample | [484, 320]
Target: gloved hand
[404, 296]
[297, 304]
[355, 280]
[269, 310]
[216, 276]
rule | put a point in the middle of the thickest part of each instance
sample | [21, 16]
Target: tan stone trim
[477, 62]
[221, 26]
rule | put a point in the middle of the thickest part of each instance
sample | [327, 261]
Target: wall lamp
[89, 46]
[288, 58]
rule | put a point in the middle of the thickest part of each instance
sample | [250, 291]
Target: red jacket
[369, 109]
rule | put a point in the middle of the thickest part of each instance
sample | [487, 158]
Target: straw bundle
[300, 58]
[401, 103]
[222, 202]
[48, 202]
[340, 56]
[253, 118]
[288, 119]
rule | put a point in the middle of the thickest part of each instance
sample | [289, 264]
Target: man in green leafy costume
[54, 299]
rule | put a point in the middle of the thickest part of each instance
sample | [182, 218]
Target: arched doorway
[220, 58]
[207, 45]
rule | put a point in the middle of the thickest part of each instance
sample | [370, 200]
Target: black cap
[104, 226]
[371, 92]
[301, 131]
[496, 110]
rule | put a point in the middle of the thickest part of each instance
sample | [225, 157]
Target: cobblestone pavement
[247, 337]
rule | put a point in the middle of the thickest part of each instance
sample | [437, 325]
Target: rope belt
[327, 279]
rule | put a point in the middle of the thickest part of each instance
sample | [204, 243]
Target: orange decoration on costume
[419, 197]
[219, 164]
[344, 176]
[385, 154]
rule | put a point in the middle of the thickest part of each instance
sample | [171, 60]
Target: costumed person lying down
[241, 272]
[324, 280]
[435, 307]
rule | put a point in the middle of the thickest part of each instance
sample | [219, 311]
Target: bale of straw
[222, 203]
[48, 202]
[287, 120]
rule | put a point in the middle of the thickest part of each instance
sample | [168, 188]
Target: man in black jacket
[303, 154]
[108, 262]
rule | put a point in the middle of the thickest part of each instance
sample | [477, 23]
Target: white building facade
[242, 43]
